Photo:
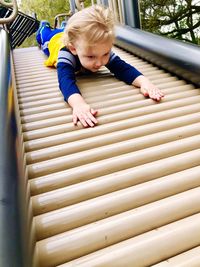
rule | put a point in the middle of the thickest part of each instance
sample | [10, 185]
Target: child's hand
[152, 92]
[82, 111]
[85, 115]
[147, 88]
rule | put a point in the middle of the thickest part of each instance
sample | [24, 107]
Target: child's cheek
[84, 62]
[87, 63]
[106, 60]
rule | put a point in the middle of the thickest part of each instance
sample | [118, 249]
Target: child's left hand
[147, 88]
[152, 92]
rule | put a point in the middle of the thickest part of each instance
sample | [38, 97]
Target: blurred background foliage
[179, 19]
[44, 10]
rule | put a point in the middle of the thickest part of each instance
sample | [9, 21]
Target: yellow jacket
[55, 44]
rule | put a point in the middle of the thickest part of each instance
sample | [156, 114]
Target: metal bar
[10, 252]
[175, 56]
[72, 6]
[132, 14]
[121, 12]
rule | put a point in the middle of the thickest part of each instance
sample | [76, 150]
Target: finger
[94, 112]
[92, 118]
[159, 92]
[83, 122]
[75, 119]
[144, 92]
[158, 95]
[155, 97]
[90, 123]
[88, 118]
[154, 94]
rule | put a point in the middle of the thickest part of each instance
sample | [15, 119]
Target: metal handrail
[13, 15]
[10, 244]
[57, 18]
[175, 56]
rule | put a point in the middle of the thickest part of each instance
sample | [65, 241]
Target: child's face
[92, 57]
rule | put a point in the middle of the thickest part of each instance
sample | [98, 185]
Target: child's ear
[72, 49]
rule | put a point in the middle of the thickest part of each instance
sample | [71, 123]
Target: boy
[86, 45]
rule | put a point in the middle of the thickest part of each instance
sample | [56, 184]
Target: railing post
[132, 13]
[72, 6]
[105, 2]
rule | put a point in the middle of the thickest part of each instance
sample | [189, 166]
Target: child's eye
[91, 57]
[105, 55]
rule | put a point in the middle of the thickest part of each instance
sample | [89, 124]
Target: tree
[45, 10]
[178, 19]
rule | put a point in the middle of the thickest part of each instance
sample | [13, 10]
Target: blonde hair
[93, 24]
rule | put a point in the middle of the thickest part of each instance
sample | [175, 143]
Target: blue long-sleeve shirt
[68, 64]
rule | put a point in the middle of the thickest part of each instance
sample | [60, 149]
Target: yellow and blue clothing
[68, 64]
[54, 46]
[45, 34]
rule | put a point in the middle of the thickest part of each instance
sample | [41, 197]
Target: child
[86, 44]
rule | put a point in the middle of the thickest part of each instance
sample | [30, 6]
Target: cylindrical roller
[165, 112]
[113, 158]
[137, 174]
[125, 142]
[89, 136]
[190, 258]
[89, 211]
[106, 107]
[146, 249]
[152, 190]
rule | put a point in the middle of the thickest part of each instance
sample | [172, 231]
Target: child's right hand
[82, 111]
[85, 114]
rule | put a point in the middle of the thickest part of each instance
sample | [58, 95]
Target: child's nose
[99, 63]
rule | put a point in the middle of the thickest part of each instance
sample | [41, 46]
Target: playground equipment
[125, 193]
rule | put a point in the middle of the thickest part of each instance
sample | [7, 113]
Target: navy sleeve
[122, 70]
[66, 74]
